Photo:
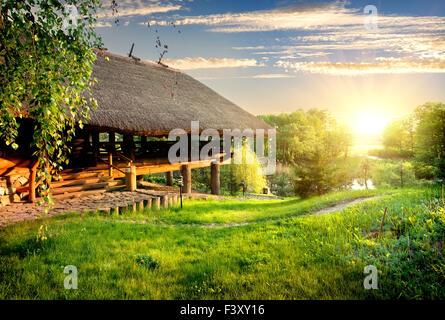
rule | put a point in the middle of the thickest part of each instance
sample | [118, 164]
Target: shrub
[147, 262]
[155, 178]
[281, 182]
[393, 174]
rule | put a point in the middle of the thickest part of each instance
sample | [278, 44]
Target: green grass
[246, 211]
[297, 257]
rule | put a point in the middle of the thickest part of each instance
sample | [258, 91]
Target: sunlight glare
[369, 123]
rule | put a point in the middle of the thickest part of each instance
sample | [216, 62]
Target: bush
[281, 182]
[155, 178]
[393, 174]
[147, 262]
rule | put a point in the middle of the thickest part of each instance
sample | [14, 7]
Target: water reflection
[357, 186]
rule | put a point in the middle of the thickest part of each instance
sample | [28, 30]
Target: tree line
[419, 138]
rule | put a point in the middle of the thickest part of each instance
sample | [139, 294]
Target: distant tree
[398, 138]
[232, 176]
[315, 146]
[430, 137]
[393, 174]
[364, 172]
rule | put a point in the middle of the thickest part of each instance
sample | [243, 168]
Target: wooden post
[143, 144]
[170, 201]
[383, 221]
[187, 178]
[214, 178]
[164, 201]
[95, 144]
[129, 146]
[112, 139]
[141, 206]
[110, 164]
[157, 203]
[169, 177]
[147, 203]
[130, 178]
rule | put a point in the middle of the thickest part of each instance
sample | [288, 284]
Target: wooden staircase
[74, 185]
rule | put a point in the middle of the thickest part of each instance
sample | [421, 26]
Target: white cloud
[129, 8]
[103, 24]
[272, 76]
[210, 63]
[379, 66]
[331, 16]
[413, 43]
[333, 28]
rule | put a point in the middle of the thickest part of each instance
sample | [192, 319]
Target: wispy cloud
[322, 17]
[130, 8]
[210, 63]
[380, 66]
[272, 76]
[103, 24]
[414, 43]
[296, 17]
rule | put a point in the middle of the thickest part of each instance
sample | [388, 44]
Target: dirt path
[337, 207]
[341, 206]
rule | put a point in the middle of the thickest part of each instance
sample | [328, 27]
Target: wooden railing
[110, 164]
[120, 155]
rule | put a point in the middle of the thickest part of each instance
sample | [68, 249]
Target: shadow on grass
[26, 247]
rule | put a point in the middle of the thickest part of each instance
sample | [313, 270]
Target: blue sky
[279, 56]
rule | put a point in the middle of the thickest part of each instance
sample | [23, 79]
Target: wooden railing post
[169, 178]
[215, 178]
[186, 171]
[130, 178]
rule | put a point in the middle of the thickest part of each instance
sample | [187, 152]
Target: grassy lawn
[206, 212]
[298, 257]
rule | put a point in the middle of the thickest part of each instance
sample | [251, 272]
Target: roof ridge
[132, 59]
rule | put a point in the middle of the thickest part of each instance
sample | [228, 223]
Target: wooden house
[139, 103]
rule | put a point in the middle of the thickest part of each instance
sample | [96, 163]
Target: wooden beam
[143, 144]
[215, 178]
[187, 178]
[128, 146]
[169, 177]
[95, 144]
[112, 141]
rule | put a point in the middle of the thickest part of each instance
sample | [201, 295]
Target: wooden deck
[106, 175]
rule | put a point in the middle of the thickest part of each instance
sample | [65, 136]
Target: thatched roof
[143, 98]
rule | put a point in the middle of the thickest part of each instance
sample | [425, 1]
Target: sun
[369, 123]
